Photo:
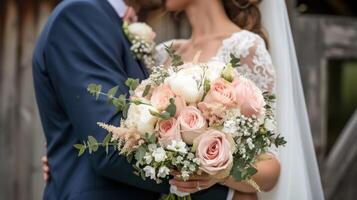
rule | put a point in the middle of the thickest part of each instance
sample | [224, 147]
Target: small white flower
[250, 143]
[270, 125]
[229, 127]
[179, 159]
[163, 172]
[149, 172]
[190, 156]
[196, 160]
[185, 175]
[192, 167]
[152, 147]
[177, 147]
[148, 158]
[141, 31]
[159, 155]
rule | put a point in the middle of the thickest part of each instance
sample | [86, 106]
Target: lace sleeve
[255, 58]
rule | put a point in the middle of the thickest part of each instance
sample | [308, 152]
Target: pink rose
[249, 96]
[161, 96]
[221, 92]
[214, 150]
[169, 130]
[192, 123]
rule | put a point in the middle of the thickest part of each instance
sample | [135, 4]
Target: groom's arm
[81, 49]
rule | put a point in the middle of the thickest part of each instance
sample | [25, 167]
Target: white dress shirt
[119, 6]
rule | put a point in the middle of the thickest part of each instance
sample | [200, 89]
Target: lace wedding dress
[249, 47]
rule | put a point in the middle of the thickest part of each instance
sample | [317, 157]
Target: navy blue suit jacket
[83, 43]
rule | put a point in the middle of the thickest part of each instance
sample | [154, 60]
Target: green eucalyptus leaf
[125, 110]
[81, 151]
[94, 90]
[93, 143]
[78, 146]
[146, 90]
[140, 153]
[111, 93]
[132, 83]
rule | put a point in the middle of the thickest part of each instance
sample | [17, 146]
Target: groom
[83, 43]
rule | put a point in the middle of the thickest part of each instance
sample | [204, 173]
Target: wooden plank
[8, 100]
[342, 157]
[37, 183]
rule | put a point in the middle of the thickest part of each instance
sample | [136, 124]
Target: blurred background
[325, 33]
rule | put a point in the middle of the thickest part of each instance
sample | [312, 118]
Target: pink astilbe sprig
[130, 137]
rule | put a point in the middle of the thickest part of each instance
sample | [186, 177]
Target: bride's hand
[195, 184]
[45, 169]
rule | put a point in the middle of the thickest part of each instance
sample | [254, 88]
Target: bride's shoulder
[244, 39]
[160, 54]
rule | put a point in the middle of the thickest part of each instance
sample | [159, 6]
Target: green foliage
[132, 83]
[228, 73]
[168, 113]
[94, 90]
[150, 138]
[92, 144]
[280, 141]
[146, 90]
[235, 62]
[111, 94]
[176, 60]
[81, 149]
[140, 152]
[120, 102]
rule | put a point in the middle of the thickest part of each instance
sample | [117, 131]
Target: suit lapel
[113, 15]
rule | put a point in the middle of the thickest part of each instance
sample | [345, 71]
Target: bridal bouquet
[190, 119]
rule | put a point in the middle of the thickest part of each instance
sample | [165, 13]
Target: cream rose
[192, 123]
[169, 130]
[249, 97]
[142, 31]
[185, 83]
[221, 92]
[214, 70]
[214, 150]
[139, 117]
[161, 96]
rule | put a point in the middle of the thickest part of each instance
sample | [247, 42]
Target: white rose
[214, 70]
[149, 172]
[163, 172]
[159, 155]
[139, 117]
[142, 31]
[185, 83]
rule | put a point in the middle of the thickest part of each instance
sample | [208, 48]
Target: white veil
[299, 178]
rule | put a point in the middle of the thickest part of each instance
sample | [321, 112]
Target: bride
[224, 27]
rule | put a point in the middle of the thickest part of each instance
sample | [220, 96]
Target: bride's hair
[246, 14]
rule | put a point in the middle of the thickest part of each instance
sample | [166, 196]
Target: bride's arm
[266, 177]
[257, 65]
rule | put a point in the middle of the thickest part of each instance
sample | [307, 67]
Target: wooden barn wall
[21, 140]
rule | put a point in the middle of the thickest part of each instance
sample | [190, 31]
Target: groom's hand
[45, 169]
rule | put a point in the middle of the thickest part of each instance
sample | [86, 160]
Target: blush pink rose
[221, 92]
[169, 130]
[249, 97]
[161, 96]
[215, 152]
[192, 123]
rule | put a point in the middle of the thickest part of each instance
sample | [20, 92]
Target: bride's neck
[206, 18]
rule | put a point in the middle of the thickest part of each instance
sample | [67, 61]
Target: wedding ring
[198, 186]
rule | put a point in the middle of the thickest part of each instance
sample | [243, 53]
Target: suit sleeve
[82, 49]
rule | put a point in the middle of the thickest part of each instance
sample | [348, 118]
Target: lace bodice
[250, 48]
